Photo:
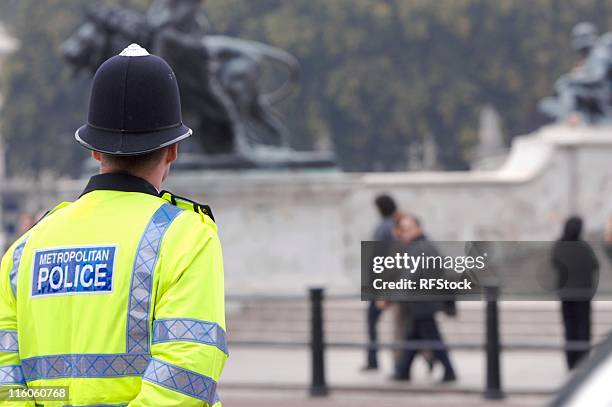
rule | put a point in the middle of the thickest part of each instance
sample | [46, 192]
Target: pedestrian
[423, 325]
[577, 276]
[25, 221]
[119, 295]
[383, 234]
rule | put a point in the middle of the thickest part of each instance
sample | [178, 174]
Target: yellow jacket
[118, 296]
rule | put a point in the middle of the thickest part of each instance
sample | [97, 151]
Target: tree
[44, 103]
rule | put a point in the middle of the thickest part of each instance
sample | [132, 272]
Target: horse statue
[219, 77]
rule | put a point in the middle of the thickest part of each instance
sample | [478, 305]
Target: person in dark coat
[423, 324]
[577, 275]
[383, 233]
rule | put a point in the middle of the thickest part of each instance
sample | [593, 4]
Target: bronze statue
[239, 69]
[177, 36]
[219, 77]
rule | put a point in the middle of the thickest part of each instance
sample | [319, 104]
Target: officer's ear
[172, 153]
[96, 156]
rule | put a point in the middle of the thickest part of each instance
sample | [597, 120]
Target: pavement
[350, 400]
[280, 377]
[261, 376]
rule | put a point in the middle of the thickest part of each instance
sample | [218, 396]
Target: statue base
[258, 159]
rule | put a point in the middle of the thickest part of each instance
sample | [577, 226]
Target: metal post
[318, 386]
[493, 390]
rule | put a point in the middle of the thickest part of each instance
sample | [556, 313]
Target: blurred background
[487, 120]
[378, 78]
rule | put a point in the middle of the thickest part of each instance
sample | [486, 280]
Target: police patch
[73, 270]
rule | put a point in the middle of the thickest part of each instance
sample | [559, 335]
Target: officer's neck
[155, 177]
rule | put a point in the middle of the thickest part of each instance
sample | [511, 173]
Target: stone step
[345, 321]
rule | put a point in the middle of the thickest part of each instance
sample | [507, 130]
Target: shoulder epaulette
[187, 204]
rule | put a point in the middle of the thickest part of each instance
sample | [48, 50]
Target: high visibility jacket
[118, 296]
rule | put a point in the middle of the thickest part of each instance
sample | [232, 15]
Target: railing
[318, 345]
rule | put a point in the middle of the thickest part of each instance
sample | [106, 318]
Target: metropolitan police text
[78, 255]
[73, 270]
[89, 271]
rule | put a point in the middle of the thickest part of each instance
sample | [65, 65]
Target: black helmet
[134, 107]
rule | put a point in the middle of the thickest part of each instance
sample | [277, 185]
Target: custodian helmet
[134, 107]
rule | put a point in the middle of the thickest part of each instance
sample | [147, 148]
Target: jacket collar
[116, 181]
[421, 238]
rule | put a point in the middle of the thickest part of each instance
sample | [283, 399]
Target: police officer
[119, 295]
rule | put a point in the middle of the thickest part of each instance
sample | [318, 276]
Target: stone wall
[285, 231]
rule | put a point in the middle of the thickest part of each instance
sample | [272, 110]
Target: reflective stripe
[191, 330]
[8, 342]
[97, 405]
[84, 365]
[181, 380]
[11, 374]
[16, 260]
[137, 340]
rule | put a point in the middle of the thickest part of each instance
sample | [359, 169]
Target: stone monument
[584, 95]
[235, 122]
[491, 151]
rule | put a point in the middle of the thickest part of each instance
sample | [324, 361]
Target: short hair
[133, 163]
[386, 205]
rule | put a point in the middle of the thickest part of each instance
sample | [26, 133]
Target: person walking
[423, 325]
[119, 296]
[577, 275]
[387, 208]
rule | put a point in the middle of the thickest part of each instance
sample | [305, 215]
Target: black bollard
[318, 386]
[493, 389]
